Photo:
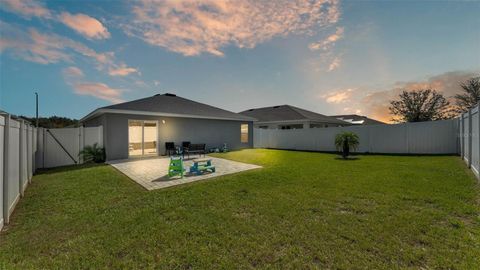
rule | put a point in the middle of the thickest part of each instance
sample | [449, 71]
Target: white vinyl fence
[17, 162]
[437, 137]
[24, 148]
[61, 146]
[469, 139]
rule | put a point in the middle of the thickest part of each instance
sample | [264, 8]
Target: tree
[53, 121]
[470, 96]
[346, 140]
[420, 105]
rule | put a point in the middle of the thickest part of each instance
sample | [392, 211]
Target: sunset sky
[331, 57]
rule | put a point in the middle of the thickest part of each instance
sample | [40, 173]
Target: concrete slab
[151, 173]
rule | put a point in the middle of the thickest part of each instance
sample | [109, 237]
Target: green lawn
[302, 210]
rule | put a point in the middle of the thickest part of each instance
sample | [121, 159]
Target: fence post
[470, 131]
[6, 149]
[478, 137]
[20, 156]
[81, 141]
[44, 146]
[461, 136]
[407, 139]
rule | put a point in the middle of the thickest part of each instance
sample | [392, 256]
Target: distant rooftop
[289, 113]
[358, 119]
[170, 105]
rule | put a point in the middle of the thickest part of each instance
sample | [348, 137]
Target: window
[294, 126]
[244, 133]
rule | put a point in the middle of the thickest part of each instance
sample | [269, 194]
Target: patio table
[201, 165]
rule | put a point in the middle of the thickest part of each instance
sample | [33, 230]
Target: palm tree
[470, 97]
[93, 153]
[346, 140]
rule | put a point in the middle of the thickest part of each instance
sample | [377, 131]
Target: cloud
[376, 104]
[26, 8]
[122, 70]
[87, 26]
[327, 59]
[195, 27]
[335, 63]
[98, 90]
[74, 77]
[329, 42]
[339, 96]
[72, 72]
[34, 46]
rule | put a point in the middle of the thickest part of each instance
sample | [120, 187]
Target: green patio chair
[176, 167]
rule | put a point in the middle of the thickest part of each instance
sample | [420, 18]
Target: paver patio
[151, 173]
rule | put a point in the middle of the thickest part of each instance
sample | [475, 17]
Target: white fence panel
[30, 143]
[466, 141]
[475, 141]
[13, 168]
[40, 149]
[61, 146]
[55, 155]
[469, 130]
[2, 142]
[388, 139]
[23, 157]
[438, 137]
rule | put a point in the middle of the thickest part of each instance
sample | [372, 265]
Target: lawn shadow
[69, 168]
[349, 158]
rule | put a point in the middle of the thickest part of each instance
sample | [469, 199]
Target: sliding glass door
[142, 138]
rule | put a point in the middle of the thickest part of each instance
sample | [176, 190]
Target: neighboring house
[290, 117]
[141, 127]
[358, 119]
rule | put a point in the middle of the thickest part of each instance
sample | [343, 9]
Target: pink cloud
[195, 27]
[328, 42]
[122, 70]
[334, 64]
[26, 8]
[44, 48]
[85, 25]
[98, 90]
[73, 72]
[339, 96]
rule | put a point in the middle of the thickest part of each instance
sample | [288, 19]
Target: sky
[328, 56]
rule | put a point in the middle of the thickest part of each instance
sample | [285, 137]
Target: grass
[302, 210]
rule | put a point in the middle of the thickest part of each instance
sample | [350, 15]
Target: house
[355, 119]
[290, 117]
[142, 127]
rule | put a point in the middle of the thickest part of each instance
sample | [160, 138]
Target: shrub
[345, 141]
[93, 153]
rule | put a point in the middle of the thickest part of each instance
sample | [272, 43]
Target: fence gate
[61, 146]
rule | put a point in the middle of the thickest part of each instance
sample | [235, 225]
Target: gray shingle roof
[289, 113]
[174, 105]
[355, 117]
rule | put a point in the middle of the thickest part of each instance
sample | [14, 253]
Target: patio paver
[151, 173]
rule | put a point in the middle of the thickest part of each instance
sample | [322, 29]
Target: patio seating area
[152, 173]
